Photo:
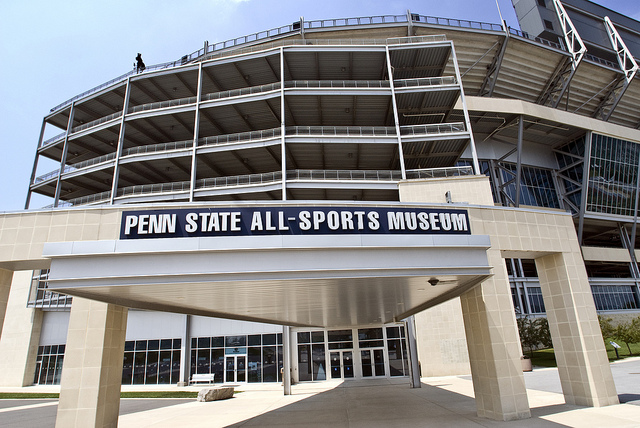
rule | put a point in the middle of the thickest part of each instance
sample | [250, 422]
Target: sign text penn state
[185, 223]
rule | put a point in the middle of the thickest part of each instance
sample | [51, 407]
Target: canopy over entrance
[292, 280]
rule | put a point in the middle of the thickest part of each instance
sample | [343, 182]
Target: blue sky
[53, 51]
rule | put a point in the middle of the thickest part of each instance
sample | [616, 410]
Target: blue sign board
[305, 220]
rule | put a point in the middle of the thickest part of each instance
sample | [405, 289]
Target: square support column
[5, 286]
[583, 365]
[494, 347]
[92, 370]
[20, 332]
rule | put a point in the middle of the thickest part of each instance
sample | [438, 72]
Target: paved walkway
[442, 401]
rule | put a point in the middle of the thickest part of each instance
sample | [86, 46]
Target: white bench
[203, 377]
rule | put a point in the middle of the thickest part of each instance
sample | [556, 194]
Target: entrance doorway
[341, 364]
[372, 362]
[235, 368]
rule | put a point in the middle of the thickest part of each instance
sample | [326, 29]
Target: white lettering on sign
[150, 223]
[321, 220]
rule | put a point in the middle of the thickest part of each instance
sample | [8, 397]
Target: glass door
[372, 362]
[341, 364]
[235, 368]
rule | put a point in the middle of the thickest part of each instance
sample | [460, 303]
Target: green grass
[132, 394]
[546, 357]
[623, 351]
[27, 395]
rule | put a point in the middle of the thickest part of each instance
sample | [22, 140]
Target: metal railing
[225, 48]
[45, 177]
[96, 122]
[89, 162]
[337, 84]
[349, 175]
[239, 180]
[242, 91]
[436, 128]
[163, 104]
[602, 61]
[540, 40]
[148, 189]
[54, 139]
[455, 171]
[427, 81]
[355, 131]
[161, 147]
[450, 22]
[269, 178]
[85, 200]
[239, 137]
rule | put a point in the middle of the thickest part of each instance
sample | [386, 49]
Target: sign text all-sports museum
[291, 221]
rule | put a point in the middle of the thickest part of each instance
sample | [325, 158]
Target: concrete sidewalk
[442, 401]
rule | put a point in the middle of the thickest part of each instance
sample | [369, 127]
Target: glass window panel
[204, 361]
[175, 366]
[235, 341]
[393, 332]
[255, 363]
[217, 342]
[127, 368]
[270, 364]
[304, 337]
[154, 345]
[319, 363]
[268, 339]
[152, 368]
[141, 345]
[204, 342]
[255, 340]
[177, 343]
[304, 362]
[217, 364]
[317, 336]
[165, 344]
[164, 367]
[140, 364]
[340, 335]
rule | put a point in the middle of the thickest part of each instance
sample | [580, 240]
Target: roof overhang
[294, 280]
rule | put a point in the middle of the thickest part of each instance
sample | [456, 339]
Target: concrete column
[5, 286]
[286, 353]
[20, 332]
[92, 370]
[583, 366]
[185, 353]
[494, 346]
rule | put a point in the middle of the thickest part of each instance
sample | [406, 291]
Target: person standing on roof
[139, 63]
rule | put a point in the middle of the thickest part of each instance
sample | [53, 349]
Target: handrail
[425, 81]
[215, 50]
[454, 171]
[146, 189]
[84, 200]
[89, 162]
[239, 180]
[96, 122]
[242, 136]
[434, 128]
[273, 177]
[383, 131]
[160, 147]
[241, 91]
[336, 84]
[349, 175]
[163, 104]
[53, 139]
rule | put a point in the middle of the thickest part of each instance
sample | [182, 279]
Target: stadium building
[373, 197]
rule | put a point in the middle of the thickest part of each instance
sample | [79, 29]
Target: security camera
[434, 281]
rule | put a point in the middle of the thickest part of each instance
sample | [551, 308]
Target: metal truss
[629, 68]
[491, 77]
[577, 161]
[559, 82]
